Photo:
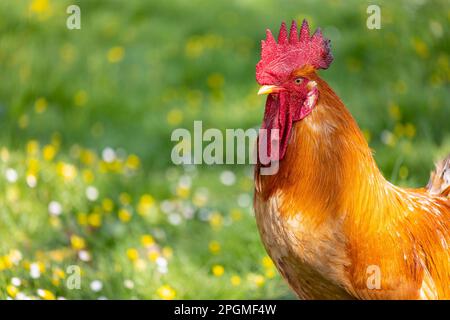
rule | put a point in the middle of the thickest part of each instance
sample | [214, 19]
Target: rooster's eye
[298, 81]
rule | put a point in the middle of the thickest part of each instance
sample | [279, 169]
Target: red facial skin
[283, 109]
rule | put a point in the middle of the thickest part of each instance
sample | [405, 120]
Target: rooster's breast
[312, 260]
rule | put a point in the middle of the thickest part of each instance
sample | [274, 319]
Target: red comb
[278, 60]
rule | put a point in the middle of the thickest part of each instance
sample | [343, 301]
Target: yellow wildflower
[40, 105]
[166, 292]
[394, 111]
[270, 273]
[236, 214]
[215, 81]
[216, 220]
[124, 215]
[95, 220]
[80, 98]
[41, 7]
[87, 157]
[214, 247]
[23, 121]
[267, 262]
[107, 205]
[115, 54]
[82, 219]
[153, 255]
[133, 162]
[218, 270]
[59, 273]
[235, 280]
[132, 254]
[145, 205]
[125, 198]
[147, 240]
[4, 154]
[33, 166]
[421, 47]
[174, 117]
[410, 130]
[88, 176]
[46, 294]
[167, 252]
[5, 262]
[200, 199]
[257, 279]
[32, 147]
[67, 171]
[183, 191]
[49, 152]
[12, 291]
[78, 243]
[140, 264]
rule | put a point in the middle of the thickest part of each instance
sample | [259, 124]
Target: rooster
[332, 224]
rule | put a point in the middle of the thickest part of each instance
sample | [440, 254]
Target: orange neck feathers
[328, 164]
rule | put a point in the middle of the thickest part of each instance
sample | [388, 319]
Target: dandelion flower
[147, 240]
[124, 215]
[95, 220]
[67, 171]
[214, 247]
[257, 279]
[88, 176]
[133, 162]
[267, 262]
[216, 220]
[140, 264]
[78, 243]
[46, 294]
[40, 105]
[235, 280]
[167, 252]
[132, 254]
[174, 117]
[125, 198]
[115, 54]
[166, 292]
[236, 214]
[145, 205]
[270, 273]
[218, 270]
[153, 255]
[82, 218]
[80, 98]
[107, 205]
[12, 291]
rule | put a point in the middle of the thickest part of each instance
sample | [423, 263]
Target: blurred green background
[86, 117]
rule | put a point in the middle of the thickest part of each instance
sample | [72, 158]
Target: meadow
[88, 190]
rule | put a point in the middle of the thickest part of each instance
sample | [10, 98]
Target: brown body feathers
[337, 229]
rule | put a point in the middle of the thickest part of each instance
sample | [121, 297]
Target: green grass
[139, 69]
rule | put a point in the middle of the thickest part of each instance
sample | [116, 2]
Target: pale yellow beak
[269, 89]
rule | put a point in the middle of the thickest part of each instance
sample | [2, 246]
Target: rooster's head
[284, 74]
